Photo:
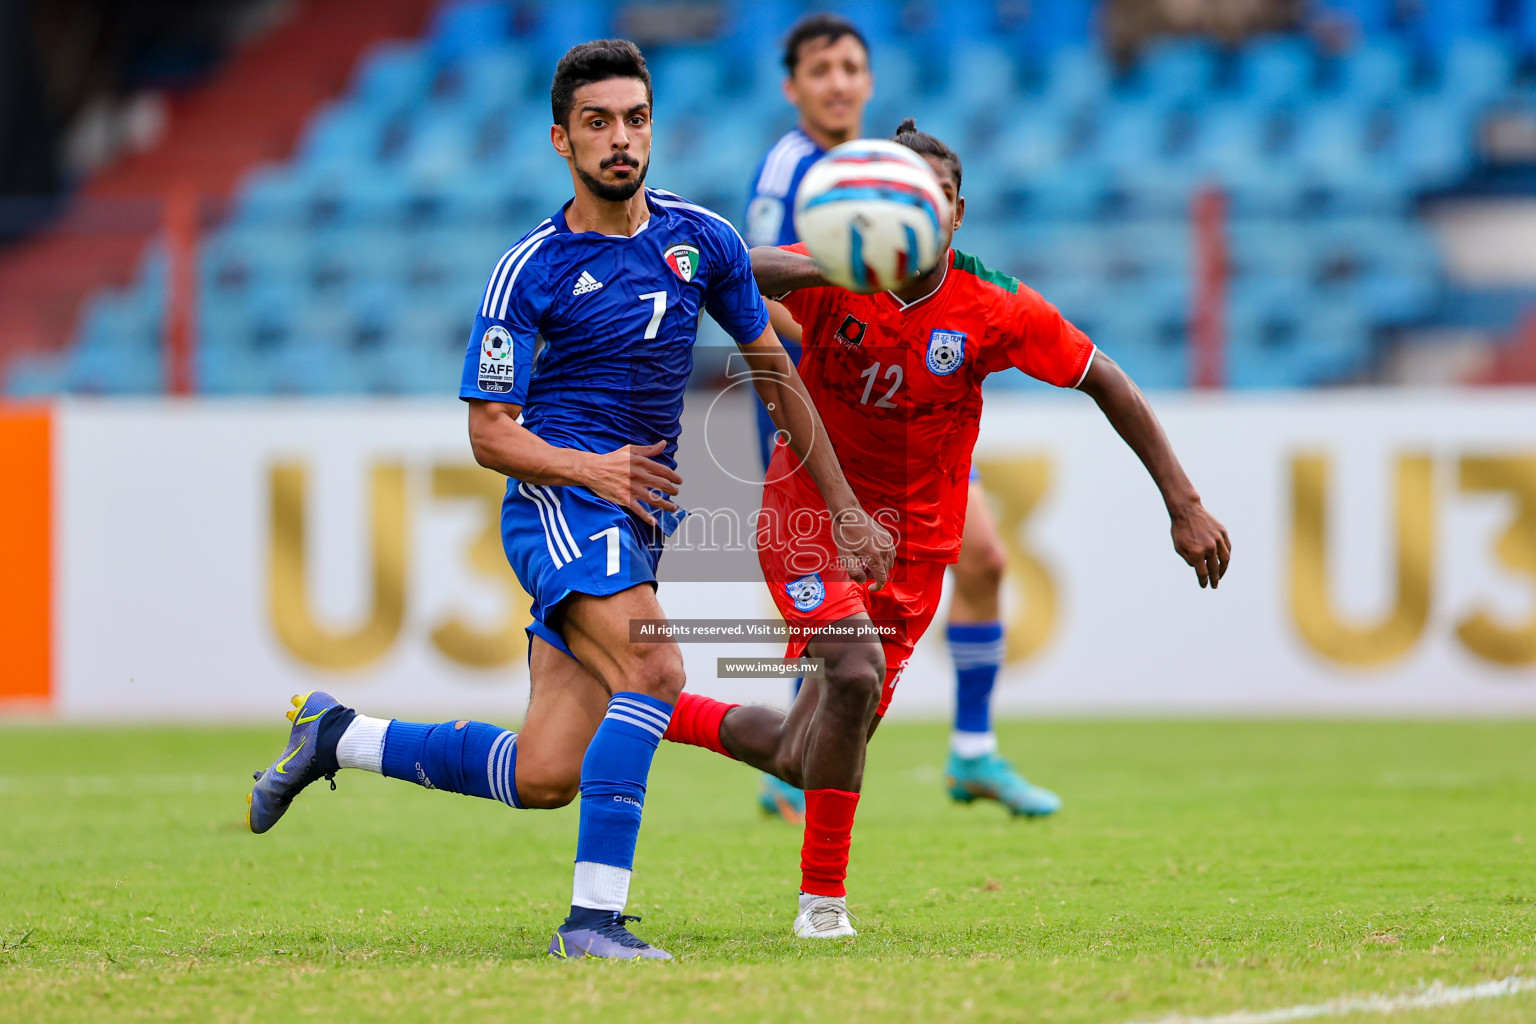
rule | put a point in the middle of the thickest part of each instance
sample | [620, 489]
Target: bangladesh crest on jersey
[684, 261]
[946, 351]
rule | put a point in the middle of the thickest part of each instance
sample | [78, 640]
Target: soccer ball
[871, 212]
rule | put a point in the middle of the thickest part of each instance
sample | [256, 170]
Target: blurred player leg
[975, 634]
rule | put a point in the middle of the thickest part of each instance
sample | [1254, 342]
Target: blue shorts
[566, 540]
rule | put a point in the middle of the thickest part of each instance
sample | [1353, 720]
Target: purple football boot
[601, 933]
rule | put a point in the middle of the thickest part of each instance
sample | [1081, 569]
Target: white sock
[972, 744]
[806, 899]
[600, 886]
[362, 745]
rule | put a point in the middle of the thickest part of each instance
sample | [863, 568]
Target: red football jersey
[898, 387]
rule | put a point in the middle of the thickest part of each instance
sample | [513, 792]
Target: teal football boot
[992, 777]
[782, 800]
[302, 762]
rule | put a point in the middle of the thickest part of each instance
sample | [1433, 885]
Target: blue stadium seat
[1075, 76]
[1058, 24]
[1373, 16]
[441, 144]
[754, 28]
[1131, 135]
[1443, 21]
[1176, 70]
[342, 136]
[1268, 249]
[1379, 69]
[394, 76]
[896, 75]
[272, 196]
[1276, 69]
[879, 20]
[1434, 143]
[1476, 69]
[494, 78]
[468, 26]
[686, 80]
[981, 74]
[562, 25]
[1230, 139]
[34, 376]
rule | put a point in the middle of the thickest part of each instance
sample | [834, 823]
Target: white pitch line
[1426, 998]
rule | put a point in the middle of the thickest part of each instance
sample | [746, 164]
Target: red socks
[696, 721]
[828, 834]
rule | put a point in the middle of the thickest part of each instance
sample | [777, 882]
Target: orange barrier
[26, 550]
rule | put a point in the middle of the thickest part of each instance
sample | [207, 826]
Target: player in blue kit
[585, 428]
[829, 82]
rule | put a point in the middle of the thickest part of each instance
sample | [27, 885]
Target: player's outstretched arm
[864, 544]
[1199, 539]
[779, 272]
[625, 477]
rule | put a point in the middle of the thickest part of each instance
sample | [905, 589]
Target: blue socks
[977, 648]
[613, 778]
[473, 758]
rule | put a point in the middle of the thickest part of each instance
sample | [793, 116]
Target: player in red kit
[897, 379]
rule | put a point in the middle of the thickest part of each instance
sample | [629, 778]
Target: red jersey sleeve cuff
[1093, 350]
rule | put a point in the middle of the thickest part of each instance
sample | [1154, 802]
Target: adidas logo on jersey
[586, 283]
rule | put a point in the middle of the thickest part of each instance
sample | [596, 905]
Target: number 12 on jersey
[893, 373]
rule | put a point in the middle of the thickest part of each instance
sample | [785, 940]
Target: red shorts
[811, 589]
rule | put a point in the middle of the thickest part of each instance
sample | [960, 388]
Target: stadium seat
[1058, 24]
[343, 136]
[394, 76]
[1177, 70]
[564, 24]
[1371, 16]
[981, 74]
[1074, 77]
[1444, 21]
[1276, 69]
[1475, 69]
[34, 376]
[461, 27]
[1377, 70]
[688, 80]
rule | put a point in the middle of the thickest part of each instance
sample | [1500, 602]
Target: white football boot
[823, 917]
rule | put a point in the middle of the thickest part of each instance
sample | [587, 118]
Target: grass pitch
[1198, 868]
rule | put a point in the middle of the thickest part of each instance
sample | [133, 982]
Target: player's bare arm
[1197, 536]
[784, 323]
[779, 271]
[626, 476]
[864, 543]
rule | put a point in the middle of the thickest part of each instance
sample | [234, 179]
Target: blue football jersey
[771, 210]
[617, 317]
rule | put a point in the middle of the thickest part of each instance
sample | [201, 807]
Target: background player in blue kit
[829, 82]
[586, 430]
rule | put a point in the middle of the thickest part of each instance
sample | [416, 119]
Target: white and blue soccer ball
[872, 215]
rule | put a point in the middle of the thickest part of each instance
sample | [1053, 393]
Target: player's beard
[614, 192]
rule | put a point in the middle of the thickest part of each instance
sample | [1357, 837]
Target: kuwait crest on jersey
[683, 259]
[946, 351]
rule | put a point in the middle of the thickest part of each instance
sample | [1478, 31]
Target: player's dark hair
[927, 145]
[596, 61]
[818, 26]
